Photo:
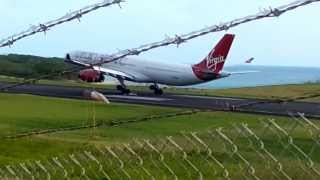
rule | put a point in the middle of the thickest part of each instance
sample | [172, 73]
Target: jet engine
[91, 75]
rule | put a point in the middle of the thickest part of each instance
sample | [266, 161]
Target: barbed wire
[44, 27]
[99, 59]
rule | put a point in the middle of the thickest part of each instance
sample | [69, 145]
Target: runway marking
[211, 97]
[137, 98]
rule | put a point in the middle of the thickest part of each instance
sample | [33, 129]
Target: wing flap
[114, 73]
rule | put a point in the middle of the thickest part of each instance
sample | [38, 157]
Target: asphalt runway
[175, 100]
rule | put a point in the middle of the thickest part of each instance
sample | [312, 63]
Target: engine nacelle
[91, 75]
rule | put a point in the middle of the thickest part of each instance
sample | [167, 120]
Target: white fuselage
[145, 71]
[142, 71]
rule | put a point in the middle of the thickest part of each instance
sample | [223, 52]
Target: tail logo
[212, 62]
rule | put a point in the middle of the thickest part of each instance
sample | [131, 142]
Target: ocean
[266, 75]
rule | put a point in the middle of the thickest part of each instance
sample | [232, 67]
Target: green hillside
[27, 66]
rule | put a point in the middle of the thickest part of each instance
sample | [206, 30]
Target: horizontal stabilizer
[240, 72]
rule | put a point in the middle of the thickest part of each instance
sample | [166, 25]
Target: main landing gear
[122, 87]
[156, 89]
[124, 90]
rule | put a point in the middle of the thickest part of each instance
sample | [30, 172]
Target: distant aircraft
[249, 60]
[142, 71]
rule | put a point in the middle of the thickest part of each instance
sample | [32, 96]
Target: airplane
[249, 60]
[142, 71]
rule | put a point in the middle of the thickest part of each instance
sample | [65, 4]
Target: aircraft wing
[75, 62]
[87, 57]
[114, 73]
[107, 71]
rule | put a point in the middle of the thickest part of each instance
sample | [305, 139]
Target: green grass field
[25, 113]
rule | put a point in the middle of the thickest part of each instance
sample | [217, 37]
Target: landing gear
[123, 88]
[156, 89]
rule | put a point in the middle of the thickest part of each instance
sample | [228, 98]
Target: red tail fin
[214, 62]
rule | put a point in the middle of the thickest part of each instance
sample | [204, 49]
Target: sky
[290, 40]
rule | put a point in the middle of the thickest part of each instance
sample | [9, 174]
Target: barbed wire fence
[45, 27]
[98, 60]
[269, 150]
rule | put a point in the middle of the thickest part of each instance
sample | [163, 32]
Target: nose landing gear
[123, 90]
[122, 87]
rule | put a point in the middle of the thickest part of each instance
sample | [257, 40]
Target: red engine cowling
[91, 75]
